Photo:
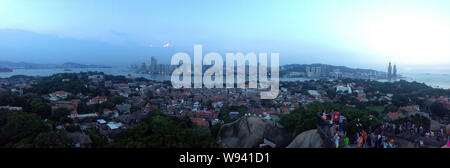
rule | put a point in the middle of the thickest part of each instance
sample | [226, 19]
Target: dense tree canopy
[19, 129]
[160, 131]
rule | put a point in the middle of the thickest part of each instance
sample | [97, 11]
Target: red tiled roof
[120, 84]
[394, 114]
[200, 122]
[60, 92]
[285, 110]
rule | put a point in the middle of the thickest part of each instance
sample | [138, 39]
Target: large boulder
[307, 139]
[250, 132]
[448, 130]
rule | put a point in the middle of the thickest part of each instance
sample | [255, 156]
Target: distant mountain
[24, 65]
[324, 70]
[5, 70]
[344, 69]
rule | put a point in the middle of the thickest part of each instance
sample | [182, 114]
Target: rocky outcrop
[307, 139]
[250, 132]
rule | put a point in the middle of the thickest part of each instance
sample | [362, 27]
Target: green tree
[117, 99]
[19, 129]
[40, 107]
[60, 114]
[438, 109]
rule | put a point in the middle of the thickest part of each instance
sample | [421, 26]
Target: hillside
[24, 65]
[323, 70]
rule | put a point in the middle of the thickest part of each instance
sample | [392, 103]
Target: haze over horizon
[414, 34]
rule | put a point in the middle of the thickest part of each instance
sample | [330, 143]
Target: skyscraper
[394, 75]
[153, 65]
[389, 75]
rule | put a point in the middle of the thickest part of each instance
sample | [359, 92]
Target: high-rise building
[143, 67]
[153, 65]
[389, 75]
[395, 71]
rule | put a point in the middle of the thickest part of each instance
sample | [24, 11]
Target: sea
[433, 80]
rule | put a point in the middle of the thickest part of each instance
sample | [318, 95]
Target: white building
[314, 92]
[11, 108]
[344, 89]
[58, 95]
[113, 125]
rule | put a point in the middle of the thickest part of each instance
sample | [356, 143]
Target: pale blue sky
[355, 33]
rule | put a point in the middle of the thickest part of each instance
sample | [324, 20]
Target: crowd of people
[381, 136]
[337, 123]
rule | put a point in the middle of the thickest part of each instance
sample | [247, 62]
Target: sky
[414, 34]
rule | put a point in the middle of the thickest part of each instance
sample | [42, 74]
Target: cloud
[166, 45]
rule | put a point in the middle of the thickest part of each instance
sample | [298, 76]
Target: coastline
[432, 80]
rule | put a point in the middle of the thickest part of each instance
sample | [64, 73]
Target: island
[67, 65]
[5, 70]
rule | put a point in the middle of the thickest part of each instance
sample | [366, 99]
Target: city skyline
[360, 34]
[219, 79]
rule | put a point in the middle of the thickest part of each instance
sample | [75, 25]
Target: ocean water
[111, 71]
[433, 80]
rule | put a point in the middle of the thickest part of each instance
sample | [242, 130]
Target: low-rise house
[97, 100]
[216, 121]
[344, 89]
[121, 85]
[233, 115]
[362, 97]
[108, 84]
[409, 109]
[200, 122]
[83, 116]
[123, 108]
[314, 93]
[114, 125]
[110, 113]
[393, 116]
[69, 105]
[285, 110]
[11, 108]
[205, 114]
[59, 95]
[101, 121]
[96, 78]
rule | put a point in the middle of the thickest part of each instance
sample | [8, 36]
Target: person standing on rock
[346, 141]
[336, 140]
[391, 143]
[448, 135]
[360, 141]
[336, 117]
[421, 131]
[333, 129]
[364, 135]
[341, 122]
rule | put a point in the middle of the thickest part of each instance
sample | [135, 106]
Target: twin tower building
[392, 73]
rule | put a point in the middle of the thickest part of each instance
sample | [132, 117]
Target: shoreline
[433, 80]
